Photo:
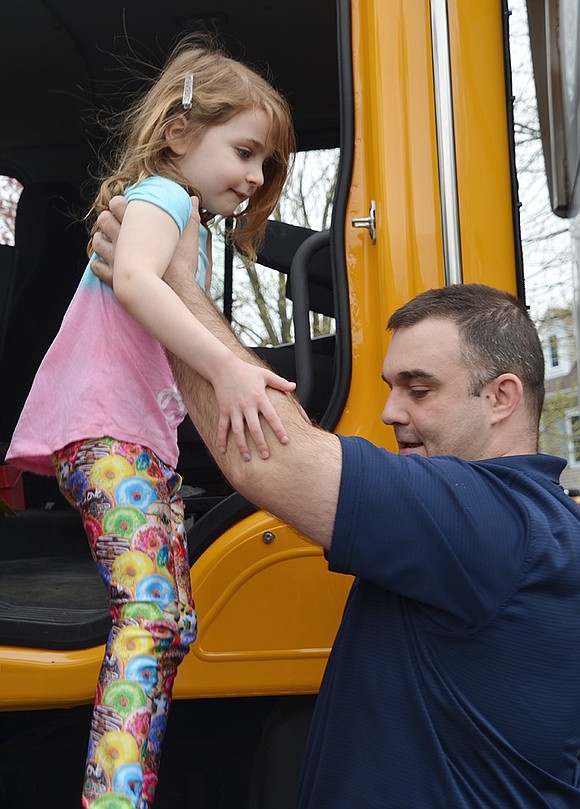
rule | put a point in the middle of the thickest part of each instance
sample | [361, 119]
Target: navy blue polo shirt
[454, 681]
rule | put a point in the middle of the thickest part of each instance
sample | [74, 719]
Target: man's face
[430, 406]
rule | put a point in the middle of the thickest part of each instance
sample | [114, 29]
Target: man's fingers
[117, 206]
[105, 238]
[108, 228]
[103, 246]
[104, 272]
[103, 265]
[195, 209]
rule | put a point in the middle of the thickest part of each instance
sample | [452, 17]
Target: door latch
[369, 222]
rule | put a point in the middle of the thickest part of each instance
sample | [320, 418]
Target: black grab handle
[300, 313]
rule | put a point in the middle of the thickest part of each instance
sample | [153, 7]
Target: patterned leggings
[133, 518]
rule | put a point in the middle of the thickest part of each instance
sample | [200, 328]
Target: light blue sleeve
[174, 200]
[167, 195]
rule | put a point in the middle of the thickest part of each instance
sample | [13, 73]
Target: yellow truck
[415, 96]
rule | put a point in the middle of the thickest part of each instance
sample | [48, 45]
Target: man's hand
[109, 226]
[105, 239]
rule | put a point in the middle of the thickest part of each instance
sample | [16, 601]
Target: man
[454, 680]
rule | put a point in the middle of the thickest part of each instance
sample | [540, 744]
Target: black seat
[51, 594]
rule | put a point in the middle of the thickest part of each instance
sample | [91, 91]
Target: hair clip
[187, 98]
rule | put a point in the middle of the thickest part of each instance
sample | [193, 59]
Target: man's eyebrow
[412, 374]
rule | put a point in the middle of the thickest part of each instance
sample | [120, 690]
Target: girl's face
[225, 166]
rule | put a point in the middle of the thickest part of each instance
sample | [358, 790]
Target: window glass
[258, 308]
[10, 190]
[554, 360]
[574, 432]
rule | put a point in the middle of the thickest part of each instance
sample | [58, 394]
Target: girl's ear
[177, 136]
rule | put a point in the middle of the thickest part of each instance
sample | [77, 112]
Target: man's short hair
[497, 335]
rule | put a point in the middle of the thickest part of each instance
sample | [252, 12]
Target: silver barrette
[187, 92]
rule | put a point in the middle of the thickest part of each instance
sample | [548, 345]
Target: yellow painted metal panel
[481, 127]
[39, 678]
[396, 165]
[269, 612]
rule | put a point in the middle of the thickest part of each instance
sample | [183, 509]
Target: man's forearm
[290, 484]
[205, 311]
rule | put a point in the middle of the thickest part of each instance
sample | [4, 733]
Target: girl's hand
[240, 389]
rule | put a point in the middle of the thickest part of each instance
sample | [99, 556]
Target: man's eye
[419, 393]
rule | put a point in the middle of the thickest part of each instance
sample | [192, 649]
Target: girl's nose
[255, 176]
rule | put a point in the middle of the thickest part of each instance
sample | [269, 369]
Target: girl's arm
[147, 241]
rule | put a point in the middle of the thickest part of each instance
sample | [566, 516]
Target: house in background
[560, 424]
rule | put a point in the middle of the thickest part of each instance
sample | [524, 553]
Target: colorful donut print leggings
[133, 518]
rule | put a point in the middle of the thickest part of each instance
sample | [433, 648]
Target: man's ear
[504, 394]
[177, 135]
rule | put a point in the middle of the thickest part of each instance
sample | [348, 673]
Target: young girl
[104, 407]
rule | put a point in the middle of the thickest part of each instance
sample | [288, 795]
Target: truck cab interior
[63, 69]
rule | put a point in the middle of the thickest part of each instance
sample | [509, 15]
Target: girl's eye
[245, 153]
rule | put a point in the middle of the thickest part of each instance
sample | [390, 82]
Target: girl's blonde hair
[222, 87]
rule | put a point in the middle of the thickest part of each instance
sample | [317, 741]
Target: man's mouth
[408, 447]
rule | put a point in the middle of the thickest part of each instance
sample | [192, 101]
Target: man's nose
[393, 411]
